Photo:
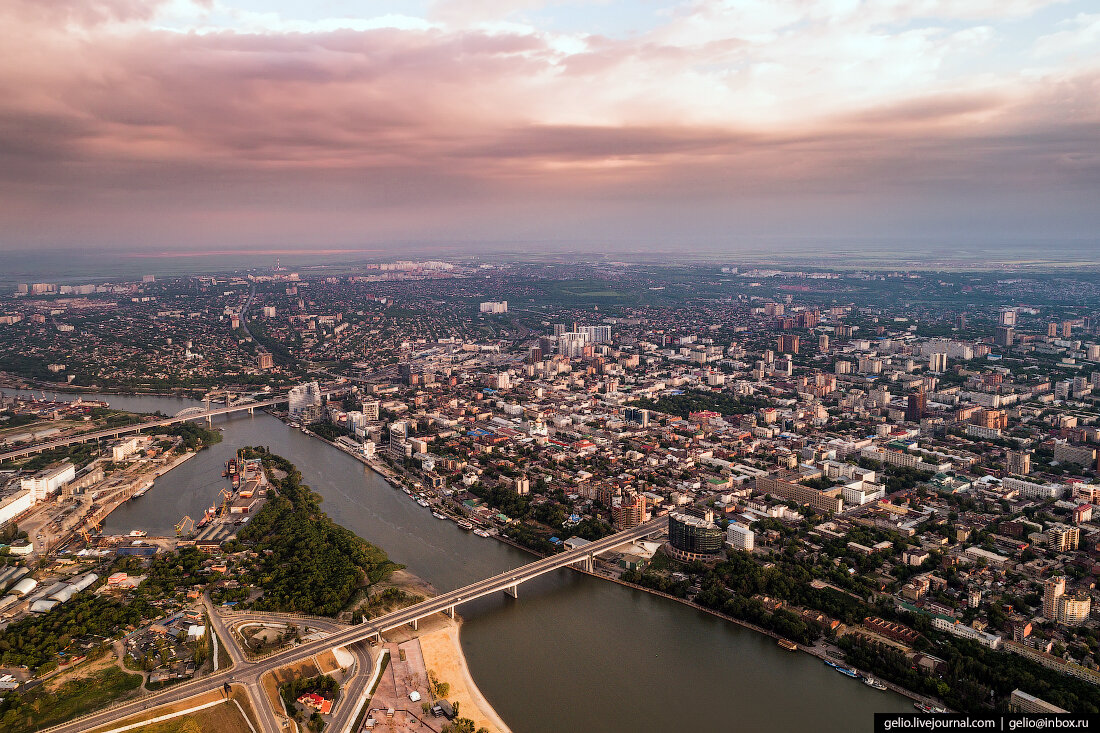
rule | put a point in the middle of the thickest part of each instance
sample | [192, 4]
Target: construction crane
[185, 525]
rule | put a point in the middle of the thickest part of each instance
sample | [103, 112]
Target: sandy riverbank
[443, 655]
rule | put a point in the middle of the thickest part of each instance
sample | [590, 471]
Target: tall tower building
[1053, 589]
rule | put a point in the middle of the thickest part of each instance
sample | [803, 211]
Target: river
[573, 653]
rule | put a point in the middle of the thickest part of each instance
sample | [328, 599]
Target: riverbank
[444, 657]
[821, 650]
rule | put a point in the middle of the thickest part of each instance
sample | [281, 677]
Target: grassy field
[44, 708]
[224, 718]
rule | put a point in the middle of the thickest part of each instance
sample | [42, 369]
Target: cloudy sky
[198, 124]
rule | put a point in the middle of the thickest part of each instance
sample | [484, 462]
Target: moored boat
[872, 682]
[788, 645]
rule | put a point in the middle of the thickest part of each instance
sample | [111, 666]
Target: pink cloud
[347, 128]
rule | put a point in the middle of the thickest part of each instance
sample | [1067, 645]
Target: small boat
[422, 503]
[465, 525]
[481, 533]
[407, 491]
[872, 682]
[830, 663]
[924, 708]
[848, 671]
[788, 645]
[437, 515]
[138, 533]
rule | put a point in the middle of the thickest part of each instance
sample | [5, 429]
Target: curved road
[249, 673]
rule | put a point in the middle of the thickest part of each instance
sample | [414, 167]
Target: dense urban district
[895, 471]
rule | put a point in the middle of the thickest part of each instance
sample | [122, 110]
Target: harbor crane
[185, 525]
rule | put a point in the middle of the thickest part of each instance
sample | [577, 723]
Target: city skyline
[197, 126]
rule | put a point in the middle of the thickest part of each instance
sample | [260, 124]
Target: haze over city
[205, 125]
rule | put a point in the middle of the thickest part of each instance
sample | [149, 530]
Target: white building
[740, 537]
[966, 632]
[862, 492]
[14, 502]
[301, 398]
[123, 449]
[48, 481]
[494, 306]
[1032, 490]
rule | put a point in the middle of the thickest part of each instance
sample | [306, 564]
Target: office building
[693, 538]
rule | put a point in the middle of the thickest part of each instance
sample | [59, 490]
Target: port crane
[226, 497]
[185, 525]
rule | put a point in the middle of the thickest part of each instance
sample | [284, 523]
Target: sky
[198, 125]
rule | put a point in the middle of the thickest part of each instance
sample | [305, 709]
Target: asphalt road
[249, 673]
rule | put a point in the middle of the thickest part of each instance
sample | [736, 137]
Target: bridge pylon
[511, 590]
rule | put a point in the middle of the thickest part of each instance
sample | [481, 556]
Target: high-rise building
[494, 306]
[265, 361]
[1053, 589]
[301, 398]
[1063, 538]
[1007, 317]
[637, 415]
[693, 538]
[937, 362]
[740, 537]
[788, 343]
[627, 510]
[916, 407]
[1074, 608]
[1052, 330]
[1004, 335]
[370, 410]
[1019, 462]
[823, 342]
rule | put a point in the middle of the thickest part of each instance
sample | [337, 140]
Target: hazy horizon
[198, 125]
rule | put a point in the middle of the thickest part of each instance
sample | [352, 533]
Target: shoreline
[391, 476]
[442, 649]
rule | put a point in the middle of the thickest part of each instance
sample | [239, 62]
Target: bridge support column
[450, 611]
[250, 411]
[415, 624]
[589, 562]
[511, 590]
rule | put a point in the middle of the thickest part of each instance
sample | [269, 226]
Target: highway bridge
[249, 674]
[191, 413]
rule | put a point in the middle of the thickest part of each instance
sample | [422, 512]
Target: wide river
[573, 653]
